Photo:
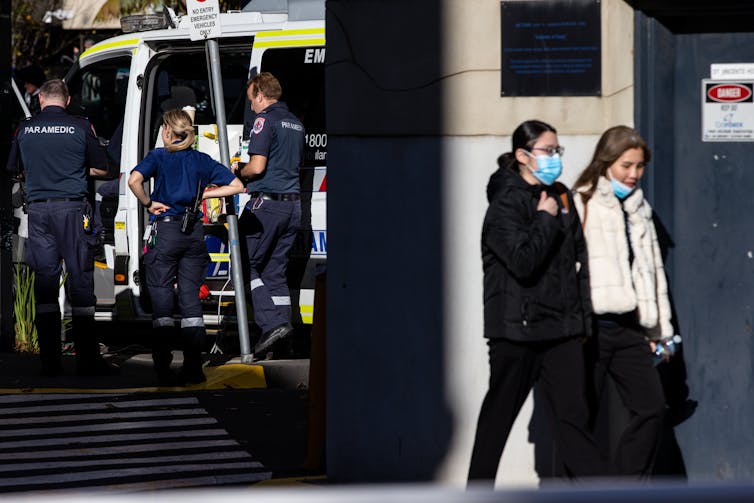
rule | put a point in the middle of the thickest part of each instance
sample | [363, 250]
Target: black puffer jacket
[536, 282]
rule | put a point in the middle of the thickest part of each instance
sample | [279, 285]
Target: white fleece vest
[617, 286]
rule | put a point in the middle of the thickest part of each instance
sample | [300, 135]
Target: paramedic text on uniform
[176, 260]
[56, 152]
[272, 217]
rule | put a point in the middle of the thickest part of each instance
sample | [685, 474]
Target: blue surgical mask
[549, 168]
[621, 191]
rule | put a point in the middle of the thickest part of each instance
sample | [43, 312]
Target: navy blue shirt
[55, 150]
[177, 175]
[278, 135]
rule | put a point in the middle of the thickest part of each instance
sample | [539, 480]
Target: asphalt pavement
[247, 425]
[19, 372]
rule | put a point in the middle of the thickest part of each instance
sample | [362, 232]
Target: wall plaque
[550, 48]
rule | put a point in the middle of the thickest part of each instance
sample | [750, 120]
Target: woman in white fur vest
[628, 289]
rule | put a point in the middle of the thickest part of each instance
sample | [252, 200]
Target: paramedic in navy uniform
[273, 215]
[56, 152]
[175, 256]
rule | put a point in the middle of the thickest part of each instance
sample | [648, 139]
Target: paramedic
[56, 152]
[272, 216]
[177, 259]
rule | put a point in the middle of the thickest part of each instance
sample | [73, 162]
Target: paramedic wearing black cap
[176, 254]
[56, 152]
[273, 215]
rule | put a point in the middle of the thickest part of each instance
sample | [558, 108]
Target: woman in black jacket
[536, 304]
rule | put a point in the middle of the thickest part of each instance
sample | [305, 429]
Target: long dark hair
[611, 146]
[525, 136]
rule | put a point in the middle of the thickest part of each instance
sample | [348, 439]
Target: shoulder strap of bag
[563, 193]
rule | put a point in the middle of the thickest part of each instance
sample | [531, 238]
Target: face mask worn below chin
[621, 191]
[549, 168]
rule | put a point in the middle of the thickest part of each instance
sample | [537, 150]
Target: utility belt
[272, 196]
[168, 218]
[56, 200]
[86, 218]
[187, 220]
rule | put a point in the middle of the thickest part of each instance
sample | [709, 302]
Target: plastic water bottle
[665, 349]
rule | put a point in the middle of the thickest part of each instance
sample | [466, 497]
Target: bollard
[315, 443]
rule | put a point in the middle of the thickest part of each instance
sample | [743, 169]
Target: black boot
[162, 357]
[193, 345]
[48, 335]
[89, 361]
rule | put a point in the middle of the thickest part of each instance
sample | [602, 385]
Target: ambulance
[125, 83]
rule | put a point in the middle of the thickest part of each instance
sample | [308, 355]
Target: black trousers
[624, 354]
[557, 367]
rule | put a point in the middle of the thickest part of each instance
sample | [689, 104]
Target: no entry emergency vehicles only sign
[727, 110]
[204, 16]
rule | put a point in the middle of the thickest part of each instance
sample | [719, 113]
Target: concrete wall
[471, 63]
[415, 124]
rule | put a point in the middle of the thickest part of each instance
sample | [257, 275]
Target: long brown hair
[611, 146]
[180, 123]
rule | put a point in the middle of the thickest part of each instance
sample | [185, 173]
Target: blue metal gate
[702, 194]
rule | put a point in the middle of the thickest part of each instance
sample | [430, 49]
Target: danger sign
[729, 93]
[727, 110]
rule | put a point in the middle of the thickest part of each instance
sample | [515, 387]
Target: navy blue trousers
[270, 229]
[56, 232]
[176, 265]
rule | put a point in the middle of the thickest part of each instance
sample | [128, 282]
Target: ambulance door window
[181, 78]
[301, 72]
[98, 92]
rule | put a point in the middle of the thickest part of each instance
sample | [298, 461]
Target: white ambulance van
[126, 82]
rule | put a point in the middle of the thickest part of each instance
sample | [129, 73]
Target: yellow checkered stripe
[130, 43]
[307, 312]
[219, 257]
[290, 38]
